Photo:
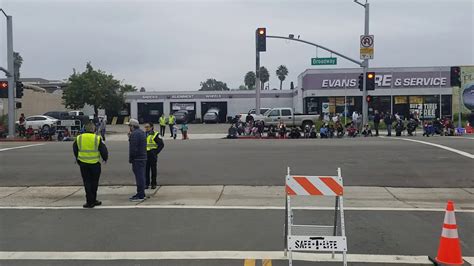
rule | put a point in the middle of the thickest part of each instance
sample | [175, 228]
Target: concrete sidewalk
[239, 196]
[124, 137]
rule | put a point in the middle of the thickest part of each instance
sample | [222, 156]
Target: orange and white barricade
[315, 238]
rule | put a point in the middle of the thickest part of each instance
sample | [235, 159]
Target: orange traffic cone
[449, 251]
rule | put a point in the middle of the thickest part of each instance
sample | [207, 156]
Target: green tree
[282, 72]
[96, 88]
[243, 88]
[264, 76]
[213, 85]
[17, 62]
[249, 80]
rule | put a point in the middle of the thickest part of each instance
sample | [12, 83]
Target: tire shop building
[426, 90]
[148, 106]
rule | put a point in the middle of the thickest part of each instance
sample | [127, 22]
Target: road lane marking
[463, 153]
[249, 262]
[212, 207]
[213, 255]
[459, 137]
[21, 147]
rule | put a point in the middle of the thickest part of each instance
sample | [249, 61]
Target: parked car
[211, 116]
[40, 121]
[181, 116]
[243, 117]
[60, 115]
[276, 115]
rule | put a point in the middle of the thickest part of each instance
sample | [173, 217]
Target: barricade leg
[335, 221]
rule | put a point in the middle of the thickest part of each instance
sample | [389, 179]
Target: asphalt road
[369, 232]
[364, 162]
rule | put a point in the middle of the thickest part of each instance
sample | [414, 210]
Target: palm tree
[249, 80]
[282, 72]
[264, 76]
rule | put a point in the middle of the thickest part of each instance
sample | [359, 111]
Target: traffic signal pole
[11, 79]
[365, 104]
[257, 77]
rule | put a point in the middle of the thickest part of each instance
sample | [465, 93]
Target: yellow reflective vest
[150, 142]
[162, 121]
[171, 119]
[88, 148]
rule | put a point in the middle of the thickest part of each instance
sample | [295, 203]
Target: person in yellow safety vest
[162, 125]
[154, 145]
[171, 123]
[88, 148]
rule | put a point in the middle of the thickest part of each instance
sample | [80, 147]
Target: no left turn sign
[366, 41]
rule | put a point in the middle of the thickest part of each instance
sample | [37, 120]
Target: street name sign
[318, 61]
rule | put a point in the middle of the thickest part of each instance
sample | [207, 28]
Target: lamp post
[10, 78]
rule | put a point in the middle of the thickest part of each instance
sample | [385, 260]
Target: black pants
[171, 129]
[376, 127]
[162, 130]
[151, 163]
[90, 176]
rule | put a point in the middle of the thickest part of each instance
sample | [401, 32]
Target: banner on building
[467, 91]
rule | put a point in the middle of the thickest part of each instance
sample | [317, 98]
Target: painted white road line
[459, 137]
[204, 255]
[463, 153]
[22, 147]
[213, 207]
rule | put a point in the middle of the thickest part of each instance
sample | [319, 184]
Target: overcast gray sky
[174, 45]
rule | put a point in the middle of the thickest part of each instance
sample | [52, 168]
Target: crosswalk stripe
[266, 262]
[249, 262]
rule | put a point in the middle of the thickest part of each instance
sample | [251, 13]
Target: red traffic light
[261, 31]
[3, 84]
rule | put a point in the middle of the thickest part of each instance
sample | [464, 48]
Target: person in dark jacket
[376, 122]
[88, 148]
[388, 120]
[154, 145]
[137, 157]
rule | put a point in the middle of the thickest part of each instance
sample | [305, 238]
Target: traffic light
[369, 98]
[3, 89]
[19, 89]
[261, 36]
[370, 81]
[361, 82]
[455, 77]
[18, 105]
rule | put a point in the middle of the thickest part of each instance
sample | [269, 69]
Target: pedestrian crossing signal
[369, 98]
[3, 89]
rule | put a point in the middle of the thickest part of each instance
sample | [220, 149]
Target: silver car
[211, 116]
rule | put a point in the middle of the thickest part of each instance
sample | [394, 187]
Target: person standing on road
[162, 125]
[171, 123]
[137, 157]
[88, 148]
[388, 120]
[376, 122]
[154, 145]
